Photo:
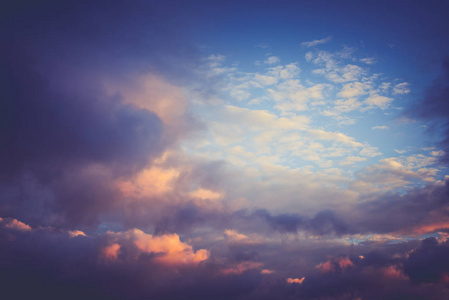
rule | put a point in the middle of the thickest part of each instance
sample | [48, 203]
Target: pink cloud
[331, 265]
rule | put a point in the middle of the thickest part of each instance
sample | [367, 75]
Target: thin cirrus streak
[224, 150]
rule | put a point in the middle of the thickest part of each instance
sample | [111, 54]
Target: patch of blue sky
[338, 88]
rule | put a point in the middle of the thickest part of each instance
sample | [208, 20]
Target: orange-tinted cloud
[74, 233]
[205, 194]
[393, 272]
[153, 93]
[168, 248]
[295, 280]
[15, 224]
[241, 267]
[430, 228]
[155, 181]
[111, 252]
[234, 237]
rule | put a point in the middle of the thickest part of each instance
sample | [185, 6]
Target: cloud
[335, 264]
[380, 127]
[350, 160]
[429, 263]
[354, 89]
[434, 107]
[80, 117]
[296, 280]
[234, 237]
[316, 42]
[75, 233]
[111, 252]
[381, 102]
[140, 265]
[401, 88]
[420, 208]
[323, 223]
[368, 60]
[14, 224]
[110, 191]
[271, 60]
[167, 249]
[241, 268]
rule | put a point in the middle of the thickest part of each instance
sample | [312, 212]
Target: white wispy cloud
[401, 88]
[400, 151]
[316, 42]
[368, 60]
[383, 127]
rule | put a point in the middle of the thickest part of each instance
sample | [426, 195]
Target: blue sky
[268, 149]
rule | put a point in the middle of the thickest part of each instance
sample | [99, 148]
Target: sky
[269, 149]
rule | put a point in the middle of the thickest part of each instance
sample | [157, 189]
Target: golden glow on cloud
[234, 236]
[111, 252]
[168, 249]
[74, 233]
[155, 181]
[430, 228]
[155, 94]
[15, 224]
[205, 194]
[296, 280]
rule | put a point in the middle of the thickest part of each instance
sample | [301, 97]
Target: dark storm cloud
[323, 223]
[53, 265]
[185, 218]
[407, 212]
[54, 56]
[378, 275]
[63, 138]
[428, 263]
[435, 108]
[390, 213]
[51, 132]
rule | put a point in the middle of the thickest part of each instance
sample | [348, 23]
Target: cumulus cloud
[381, 102]
[167, 249]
